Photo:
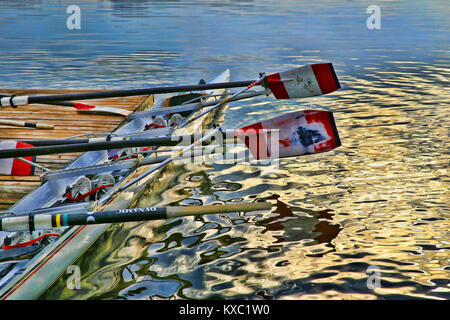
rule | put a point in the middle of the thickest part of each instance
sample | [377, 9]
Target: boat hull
[54, 260]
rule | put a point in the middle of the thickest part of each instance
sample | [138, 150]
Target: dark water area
[368, 220]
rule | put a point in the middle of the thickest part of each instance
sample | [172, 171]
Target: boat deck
[67, 122]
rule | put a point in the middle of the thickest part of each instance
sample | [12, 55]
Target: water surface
[379, 202]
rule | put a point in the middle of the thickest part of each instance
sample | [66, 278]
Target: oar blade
[307, 81]
[83, 107]
[15, 167]
[294, 134]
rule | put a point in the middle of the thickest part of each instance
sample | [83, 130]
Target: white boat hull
[53, 261]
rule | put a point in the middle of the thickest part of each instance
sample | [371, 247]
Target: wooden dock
[67, 122]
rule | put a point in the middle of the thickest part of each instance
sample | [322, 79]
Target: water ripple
[379, 201]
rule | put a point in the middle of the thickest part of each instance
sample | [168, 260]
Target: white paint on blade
[108, 109]
[300, 82]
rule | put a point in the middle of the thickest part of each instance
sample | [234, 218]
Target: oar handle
[16, 123]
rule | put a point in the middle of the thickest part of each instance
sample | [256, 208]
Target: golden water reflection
[381, 199]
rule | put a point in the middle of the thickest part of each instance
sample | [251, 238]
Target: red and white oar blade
[13, 166]
[307, 81]
[290, 135]
[90, 108]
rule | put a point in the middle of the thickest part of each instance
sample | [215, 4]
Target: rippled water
[379, 203]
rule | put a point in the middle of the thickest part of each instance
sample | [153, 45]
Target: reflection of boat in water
[314, 225]
[170, 259]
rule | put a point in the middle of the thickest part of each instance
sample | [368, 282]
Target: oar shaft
[100, 168]
[70, 104]
[194, 106]
[173, 212]
[55, 142]
[23, 100]
[56, 103]
[92, 146]
[228, 99]
[44, 221]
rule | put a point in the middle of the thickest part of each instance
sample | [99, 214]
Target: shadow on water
[314, 225]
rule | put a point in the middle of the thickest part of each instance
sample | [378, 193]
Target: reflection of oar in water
[32, 222]
[316, 225]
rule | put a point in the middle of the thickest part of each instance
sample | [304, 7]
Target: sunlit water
[376, 206]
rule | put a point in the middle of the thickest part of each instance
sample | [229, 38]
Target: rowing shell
[52, 261]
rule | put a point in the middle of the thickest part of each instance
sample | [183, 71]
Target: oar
[306, 81]
[33, 222]
[80, 145]
[94, 137]
[24, 100]
[24, 124]
[62, 142]
[115, 165]
[298, 133]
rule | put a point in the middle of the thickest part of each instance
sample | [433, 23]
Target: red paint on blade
[277, 86]
[254, 133]
[20, 168]
[253, 128]
[326, 77]
[82, 106]
[28, 243]
[256, 126]
[323, 117]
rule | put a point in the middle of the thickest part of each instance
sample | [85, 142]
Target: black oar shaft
[82, 147]
[55, 142]
[55, 103]
[135, 92]
[44, 221]
[93, 146]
